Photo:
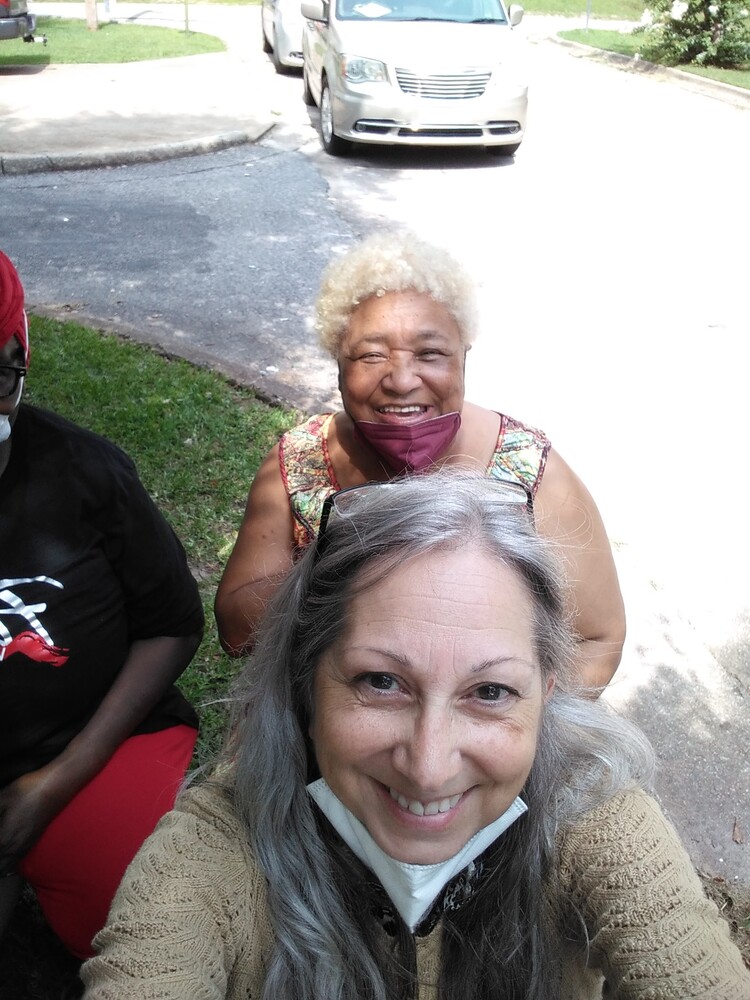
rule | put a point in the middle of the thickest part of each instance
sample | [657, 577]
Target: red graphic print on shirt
[34, 642]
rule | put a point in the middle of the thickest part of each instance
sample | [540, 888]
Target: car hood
[427, 44]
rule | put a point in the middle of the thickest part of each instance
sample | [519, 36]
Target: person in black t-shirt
[99, 615]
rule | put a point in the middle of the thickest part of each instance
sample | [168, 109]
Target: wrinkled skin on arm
[566, 513]
[261, 558]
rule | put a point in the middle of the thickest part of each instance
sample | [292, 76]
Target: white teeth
[401, 409]
[425, 808]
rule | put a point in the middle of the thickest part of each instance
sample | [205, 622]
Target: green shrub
[699, 32]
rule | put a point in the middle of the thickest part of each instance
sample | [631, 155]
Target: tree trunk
[92, 18]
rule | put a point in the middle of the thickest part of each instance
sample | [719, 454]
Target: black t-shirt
[87, 565]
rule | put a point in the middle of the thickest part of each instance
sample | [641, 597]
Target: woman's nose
[402, 376]
[428, 755]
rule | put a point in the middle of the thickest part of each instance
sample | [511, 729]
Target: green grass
[735, 77]
[70, 41]
[611, 41]
[621, 10]
[197, 442]
[630, 45]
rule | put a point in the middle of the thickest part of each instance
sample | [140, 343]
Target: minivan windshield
[463, 11]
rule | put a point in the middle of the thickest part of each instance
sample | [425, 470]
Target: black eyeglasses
[9, 379]
[343, 502]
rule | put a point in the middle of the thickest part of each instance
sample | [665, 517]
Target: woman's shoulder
[51, 423]
[304, 459]
[623, 848]
[520, 452]
[198, 858]
[52, 439]
[631, 821]
[209, 803]
[310, 432]
[628, 878]
[194, 879]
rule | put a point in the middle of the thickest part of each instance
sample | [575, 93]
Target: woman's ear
[551, 681]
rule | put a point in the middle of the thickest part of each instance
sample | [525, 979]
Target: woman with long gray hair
[414, 802]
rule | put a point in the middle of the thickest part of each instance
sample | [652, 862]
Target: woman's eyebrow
[489, 664]
[399, 658]
[501, 661]
[374, 337]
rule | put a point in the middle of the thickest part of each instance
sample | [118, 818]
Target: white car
[421, 72]
[282, 24]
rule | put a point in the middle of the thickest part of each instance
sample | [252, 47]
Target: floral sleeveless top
[306, 470]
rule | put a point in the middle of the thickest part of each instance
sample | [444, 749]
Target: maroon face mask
[411, 447]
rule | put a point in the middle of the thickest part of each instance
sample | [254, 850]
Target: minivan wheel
[332, 144]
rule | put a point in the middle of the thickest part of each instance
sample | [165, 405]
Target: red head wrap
[12, 316]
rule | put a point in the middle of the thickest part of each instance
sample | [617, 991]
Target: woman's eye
[381, 682]
[492, 692]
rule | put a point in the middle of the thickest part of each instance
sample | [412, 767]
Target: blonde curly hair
[392, 262]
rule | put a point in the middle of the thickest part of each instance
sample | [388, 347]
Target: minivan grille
[442, 86]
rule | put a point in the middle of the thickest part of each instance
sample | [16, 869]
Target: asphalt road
[614, 294]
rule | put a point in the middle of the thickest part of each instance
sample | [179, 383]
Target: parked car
[282, 25]
[421, 72]
[15, 20]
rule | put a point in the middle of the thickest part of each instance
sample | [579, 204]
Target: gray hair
[392, 262]
[585, 754]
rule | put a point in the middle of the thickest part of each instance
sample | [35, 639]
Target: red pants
[77, 864]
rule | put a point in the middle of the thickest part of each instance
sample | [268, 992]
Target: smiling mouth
[419, 808]
[403, 411]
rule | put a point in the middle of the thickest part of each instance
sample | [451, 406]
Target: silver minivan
[281, 25]
[420, 72]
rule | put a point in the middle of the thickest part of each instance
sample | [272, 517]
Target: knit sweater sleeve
[652, 932]
[190, 919]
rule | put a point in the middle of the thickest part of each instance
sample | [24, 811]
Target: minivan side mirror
[515, 13]
[314, 10]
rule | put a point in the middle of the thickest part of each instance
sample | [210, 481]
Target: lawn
[70, 41]
[619, 10]
[628, 44]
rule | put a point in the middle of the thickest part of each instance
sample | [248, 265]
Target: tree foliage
[703, 32]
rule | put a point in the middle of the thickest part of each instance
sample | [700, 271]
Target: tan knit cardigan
[191, 921]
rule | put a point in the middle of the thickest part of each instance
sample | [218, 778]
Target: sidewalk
[72, 117]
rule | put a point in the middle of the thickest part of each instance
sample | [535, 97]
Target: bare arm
[260, 559]
[28, 804]
[566, 513]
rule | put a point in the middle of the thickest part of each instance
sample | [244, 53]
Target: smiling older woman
[398, 316]
[413, 803]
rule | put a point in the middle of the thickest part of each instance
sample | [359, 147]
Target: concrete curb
[246, 373]
[36, 163]
[736, 96]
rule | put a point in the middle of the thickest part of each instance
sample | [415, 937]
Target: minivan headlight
[356, 69]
